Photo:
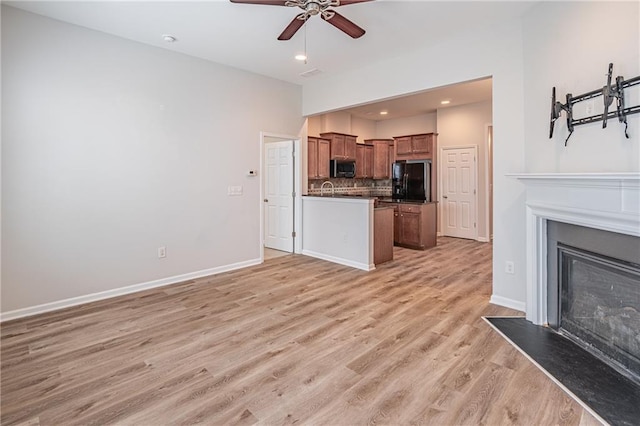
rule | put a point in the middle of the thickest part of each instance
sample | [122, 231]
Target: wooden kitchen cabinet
[364, 161]
[415, 147]
[414, 225]
[381, 157]
[403, 146]
[343, 146]
[382, 235]
[318, 152]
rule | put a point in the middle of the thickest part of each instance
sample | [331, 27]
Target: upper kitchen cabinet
[415, 147]
[382, 157]
[318, 152]
[343, 146]
[364, 161]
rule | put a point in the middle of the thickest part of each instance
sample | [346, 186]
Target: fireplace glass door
[600, 305]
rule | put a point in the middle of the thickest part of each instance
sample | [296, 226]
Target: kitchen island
[348, 230]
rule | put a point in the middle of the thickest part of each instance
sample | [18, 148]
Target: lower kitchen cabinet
[414, 225]
[382, 235]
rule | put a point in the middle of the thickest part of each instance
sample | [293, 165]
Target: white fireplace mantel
[607, 201]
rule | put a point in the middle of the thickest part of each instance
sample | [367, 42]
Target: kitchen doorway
[459, 192]
[278, 190]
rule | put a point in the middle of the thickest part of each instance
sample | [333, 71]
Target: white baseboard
[94, 297]
[508, 303]
[339, 260]
[482, 239]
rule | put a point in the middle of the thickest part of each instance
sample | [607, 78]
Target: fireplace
[603, 201]
[593, 292]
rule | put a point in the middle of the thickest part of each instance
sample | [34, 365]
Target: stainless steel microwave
[342, 169]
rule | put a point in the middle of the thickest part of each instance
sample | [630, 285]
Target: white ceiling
[427, 101]
[245, 36]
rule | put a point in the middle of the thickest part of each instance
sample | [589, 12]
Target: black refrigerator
[411, 180]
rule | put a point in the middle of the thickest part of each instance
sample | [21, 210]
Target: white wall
[463, 126]
[573, 53]
[339, 122]
[497, 53]
[314, 125]
[111, 149]
[364, 129]
[339, 230]
[423, 123]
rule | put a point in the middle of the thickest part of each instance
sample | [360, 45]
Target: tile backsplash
[365, 187]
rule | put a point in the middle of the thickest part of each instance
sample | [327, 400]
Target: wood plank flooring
[295, 340]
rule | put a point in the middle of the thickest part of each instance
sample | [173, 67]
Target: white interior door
[278, 192]
[459, 192]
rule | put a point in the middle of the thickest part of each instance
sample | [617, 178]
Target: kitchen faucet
[322, 188]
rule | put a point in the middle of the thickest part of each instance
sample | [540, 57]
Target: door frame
[488, 179]
[441, 182]
[297, 201]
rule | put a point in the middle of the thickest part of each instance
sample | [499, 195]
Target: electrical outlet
[234, 190]
[162, 252]
[509, 267]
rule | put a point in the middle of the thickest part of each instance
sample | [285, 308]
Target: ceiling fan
[311, 8]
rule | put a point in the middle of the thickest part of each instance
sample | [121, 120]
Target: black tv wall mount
[609, 92]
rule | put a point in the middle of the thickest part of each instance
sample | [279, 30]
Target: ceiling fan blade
[292, 28]
[267, 2]
[347, 2]
[345, 25]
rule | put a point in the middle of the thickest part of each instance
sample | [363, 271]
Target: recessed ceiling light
[445, 102]
[301, 57]
[384, 112]
[169, 38]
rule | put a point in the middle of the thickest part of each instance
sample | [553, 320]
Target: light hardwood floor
[295, 340]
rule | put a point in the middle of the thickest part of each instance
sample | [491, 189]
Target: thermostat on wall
[252, 173]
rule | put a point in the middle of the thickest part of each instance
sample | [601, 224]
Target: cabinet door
[396, 226]
[410, 229]
[312, 158]
[381, 167]
[368, 161]
[421, 144]
[350, 147]
[403, 146]
[360, 161]
[392, 158]
[324, 154]
[337, 147]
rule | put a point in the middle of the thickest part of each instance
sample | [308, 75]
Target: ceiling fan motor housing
[312, 8]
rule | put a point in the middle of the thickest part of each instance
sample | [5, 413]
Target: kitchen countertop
[358, 197]
[388, 200]
[391, 200]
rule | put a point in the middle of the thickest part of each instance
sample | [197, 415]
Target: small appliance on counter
[411, 180]
[342, 169]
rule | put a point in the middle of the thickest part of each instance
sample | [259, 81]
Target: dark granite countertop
[359, 197]
[391, 200]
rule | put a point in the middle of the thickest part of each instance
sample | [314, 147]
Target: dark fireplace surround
[593, 292]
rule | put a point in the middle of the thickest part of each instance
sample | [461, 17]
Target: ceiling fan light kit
[311, 8]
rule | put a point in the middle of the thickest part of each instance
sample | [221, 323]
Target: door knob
[444, 196]
[265, 200]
